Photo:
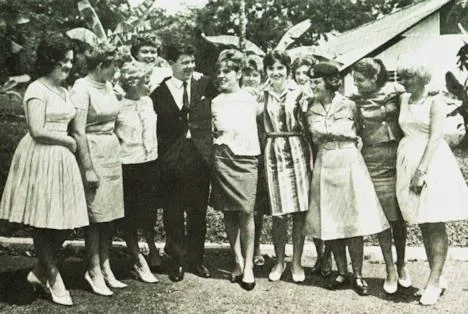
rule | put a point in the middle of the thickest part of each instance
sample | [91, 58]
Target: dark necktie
[185, 101]
[185, 107]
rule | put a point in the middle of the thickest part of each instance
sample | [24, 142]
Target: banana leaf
[91, 19]
[231, 40]
[309, 50]
[84, 35]
[292, 34]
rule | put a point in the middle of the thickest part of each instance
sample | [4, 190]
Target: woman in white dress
[430, 186]
[44, 189]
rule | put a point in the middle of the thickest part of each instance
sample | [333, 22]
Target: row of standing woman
[380, 162]
[170, 167]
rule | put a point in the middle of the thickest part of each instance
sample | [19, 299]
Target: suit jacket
[172, 122]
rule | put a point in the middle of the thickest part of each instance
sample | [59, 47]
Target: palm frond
[91, 19]
[293, 34]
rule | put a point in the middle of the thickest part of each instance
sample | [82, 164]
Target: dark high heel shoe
[360, 286]
[235, 278]
[340, 282]
[247, 285]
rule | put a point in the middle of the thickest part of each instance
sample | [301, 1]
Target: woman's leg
[94, 265]
[436, 242]
[105, 241]
[231, 223]
[356, 252]
[149, 234]
[385, 241]
[298, 244]
[258, 219]
[338, 247]
[247, 234]
[319, 247]
[399, 238]
[47, 269]
[279, 231]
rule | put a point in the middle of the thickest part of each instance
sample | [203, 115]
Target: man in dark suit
[183, 106]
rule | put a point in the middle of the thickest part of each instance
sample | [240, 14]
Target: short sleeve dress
[343, 202]
[445, 195]
[287, 153]
[44, 188]
[106, 202]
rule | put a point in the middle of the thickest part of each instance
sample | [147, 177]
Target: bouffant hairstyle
[370, 68]
[252, 63]
[144, 41]
[50, 52]
[414, 67]
[173, 51]
[277, 56]
[232, 58]
[133, 71]
[104, 54]
[308, 61]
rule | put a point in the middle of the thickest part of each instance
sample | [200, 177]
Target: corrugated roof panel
[353, 45]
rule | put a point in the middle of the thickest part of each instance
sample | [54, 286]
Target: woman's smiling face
[277, 73]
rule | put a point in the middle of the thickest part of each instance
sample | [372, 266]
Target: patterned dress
[106, 202]
[445, 195]
[44, 187]
[287, 153]
[343, 202]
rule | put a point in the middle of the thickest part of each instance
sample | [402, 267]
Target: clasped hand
[418, 181]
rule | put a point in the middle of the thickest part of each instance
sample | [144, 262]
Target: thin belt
[332, 145]
[283, 134]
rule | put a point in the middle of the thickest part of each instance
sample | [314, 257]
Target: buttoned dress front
[380, 133]
[105, 203]
[343, 202]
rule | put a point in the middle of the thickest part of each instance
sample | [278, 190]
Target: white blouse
[136, 130]
[234, 119]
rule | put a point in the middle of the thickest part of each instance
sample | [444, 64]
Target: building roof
[357, 43]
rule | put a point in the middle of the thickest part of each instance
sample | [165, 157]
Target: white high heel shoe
[144, 274]
[63, 299]
[101, 291]
[276, 273]
[391, 287]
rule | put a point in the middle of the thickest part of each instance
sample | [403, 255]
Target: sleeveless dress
[343, 202]
[44, 188]
[106, 202]
[445, 195]
[287, 152]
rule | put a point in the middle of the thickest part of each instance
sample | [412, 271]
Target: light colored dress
[445, 196]
[106, 202]
[44, 188]
[236, 147]
[343, 202]
[286, 153]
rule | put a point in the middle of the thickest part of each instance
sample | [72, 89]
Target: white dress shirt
[176, 87]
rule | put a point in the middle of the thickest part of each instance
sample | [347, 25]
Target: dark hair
[370, 67]
[103, 53]
[300, 61]
[173, 51]
[252, 63]
[277, 56]
[50, 52]
[233, 59]
[146, 41]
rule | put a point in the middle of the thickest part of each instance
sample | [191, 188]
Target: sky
[173, 6]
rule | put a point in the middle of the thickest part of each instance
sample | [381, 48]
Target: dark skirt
[262, 202]
[235, 178]
[140, 183]
[381, 162]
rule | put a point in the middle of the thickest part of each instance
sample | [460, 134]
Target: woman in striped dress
[287, 166]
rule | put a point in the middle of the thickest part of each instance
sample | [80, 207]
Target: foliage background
[267, 22]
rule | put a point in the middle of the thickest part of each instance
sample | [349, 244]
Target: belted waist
[283, 134]
[332, 145]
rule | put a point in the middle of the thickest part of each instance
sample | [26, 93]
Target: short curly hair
[144, 41]
[233, 58]
[133, 71]
[277, 56]
[308, 61]
[252, 63]
[50, 51]
[414, 67]
[103, 53]
[370, 67]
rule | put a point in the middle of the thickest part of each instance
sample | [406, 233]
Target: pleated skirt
[44, 188]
